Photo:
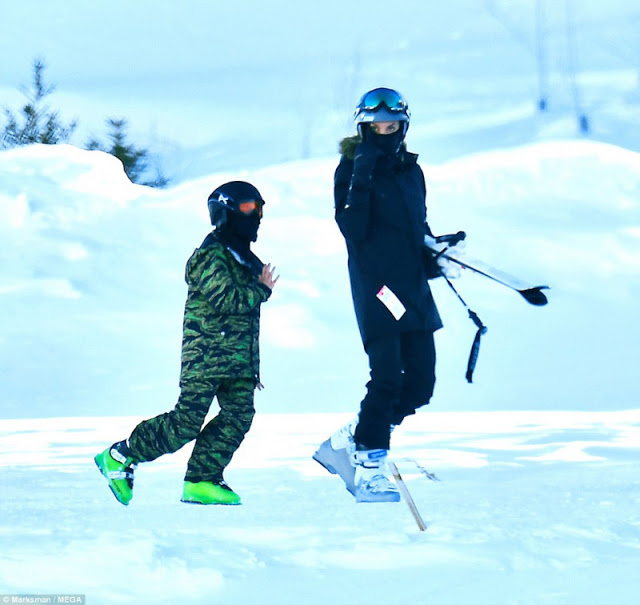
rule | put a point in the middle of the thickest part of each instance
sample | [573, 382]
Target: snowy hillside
[92, 283]
[210, 87]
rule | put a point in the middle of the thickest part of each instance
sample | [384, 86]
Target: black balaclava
[389, 144]
[237, 233]
[243, 227]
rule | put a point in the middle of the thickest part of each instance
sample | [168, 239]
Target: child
[227, 283]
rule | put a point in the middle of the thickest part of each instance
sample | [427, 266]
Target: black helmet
[382, 105]
[228, 197]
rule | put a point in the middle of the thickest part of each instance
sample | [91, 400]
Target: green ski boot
[117, 466]
[206, 492]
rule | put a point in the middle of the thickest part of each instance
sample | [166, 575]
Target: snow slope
[92, 283]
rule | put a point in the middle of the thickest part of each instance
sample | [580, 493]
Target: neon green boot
[206, 492]
[117, 466]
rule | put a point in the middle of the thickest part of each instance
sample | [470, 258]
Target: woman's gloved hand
[364, 161]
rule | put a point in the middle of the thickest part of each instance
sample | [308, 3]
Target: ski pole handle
[452, 239]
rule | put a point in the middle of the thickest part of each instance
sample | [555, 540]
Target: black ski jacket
[384, 227]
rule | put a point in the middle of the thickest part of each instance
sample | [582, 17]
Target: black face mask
[243, 226]
[387, 143]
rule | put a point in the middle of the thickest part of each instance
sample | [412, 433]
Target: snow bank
[92, 284]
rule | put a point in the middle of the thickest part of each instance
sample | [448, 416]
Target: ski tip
[535, 296]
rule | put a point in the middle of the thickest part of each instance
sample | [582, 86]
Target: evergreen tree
[37, 122]
[134, 160]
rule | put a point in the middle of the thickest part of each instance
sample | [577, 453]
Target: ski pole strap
[476, 320]
[475, 347]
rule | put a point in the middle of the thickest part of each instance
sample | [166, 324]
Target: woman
[380, 209]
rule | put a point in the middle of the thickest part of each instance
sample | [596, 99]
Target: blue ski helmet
[382, 105]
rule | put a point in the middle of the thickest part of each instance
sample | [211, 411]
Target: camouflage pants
[216, 442]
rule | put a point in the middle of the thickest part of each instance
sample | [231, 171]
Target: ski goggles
[250, 207]
[375, 99]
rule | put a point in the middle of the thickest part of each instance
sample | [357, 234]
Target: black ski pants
[402, 380]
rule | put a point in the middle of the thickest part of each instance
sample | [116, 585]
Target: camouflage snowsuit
[220, 358]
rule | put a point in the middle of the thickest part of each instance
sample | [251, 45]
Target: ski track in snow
[530, 507]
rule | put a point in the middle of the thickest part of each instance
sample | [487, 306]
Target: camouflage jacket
[221, 316]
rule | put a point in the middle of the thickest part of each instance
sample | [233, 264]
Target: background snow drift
[93, 282]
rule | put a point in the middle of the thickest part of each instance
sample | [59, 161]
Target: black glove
[364, 161]
[431, 251]
[429, 262]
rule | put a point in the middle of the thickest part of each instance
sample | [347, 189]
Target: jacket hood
[347, 146]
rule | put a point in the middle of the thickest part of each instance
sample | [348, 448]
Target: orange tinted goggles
[250, 207]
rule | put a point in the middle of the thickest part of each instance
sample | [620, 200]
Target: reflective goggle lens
[250, 207]
[383, 96]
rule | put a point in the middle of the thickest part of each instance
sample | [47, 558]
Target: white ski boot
[372, 481]
[336, 455]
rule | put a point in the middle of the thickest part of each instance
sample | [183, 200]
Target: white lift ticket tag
[391, 301]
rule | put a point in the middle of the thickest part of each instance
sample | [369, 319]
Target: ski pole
[407, 496]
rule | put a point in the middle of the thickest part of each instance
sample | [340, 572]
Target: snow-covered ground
[527, 508]
[537, 499]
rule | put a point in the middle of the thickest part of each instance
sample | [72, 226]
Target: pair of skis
[532, 294]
